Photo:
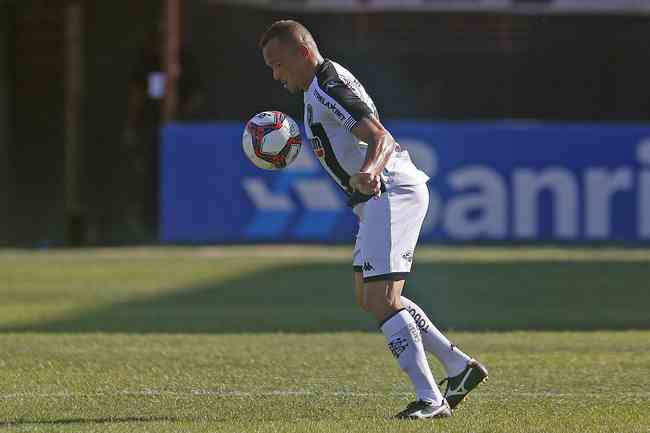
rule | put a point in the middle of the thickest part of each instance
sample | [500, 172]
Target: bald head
[288, 32]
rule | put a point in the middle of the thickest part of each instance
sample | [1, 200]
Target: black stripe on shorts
[393, 276]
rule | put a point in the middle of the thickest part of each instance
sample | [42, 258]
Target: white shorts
[389, 228]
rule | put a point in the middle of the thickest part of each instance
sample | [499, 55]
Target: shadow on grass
[108, 420]
[319, 297]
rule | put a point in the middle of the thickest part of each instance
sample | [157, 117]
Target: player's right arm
[380, 148]
[351, 112]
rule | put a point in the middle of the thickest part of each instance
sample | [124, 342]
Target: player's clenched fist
[365, 183]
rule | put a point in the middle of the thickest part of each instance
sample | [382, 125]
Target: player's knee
[381, 301]
[390, 303]
[380, 307]
[382, 296]
[394, 304]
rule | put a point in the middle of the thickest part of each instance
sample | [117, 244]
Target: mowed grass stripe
[293, 393]
[342, 253]
[540, 381]
[196, 293]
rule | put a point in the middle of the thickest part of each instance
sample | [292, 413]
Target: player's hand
[366, 183]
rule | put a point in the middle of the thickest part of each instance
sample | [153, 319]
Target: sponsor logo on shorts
[368, 267]
[408, 256]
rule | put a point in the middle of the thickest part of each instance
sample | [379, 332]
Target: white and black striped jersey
[334, 102]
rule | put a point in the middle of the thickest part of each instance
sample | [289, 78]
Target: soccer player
[389, 196]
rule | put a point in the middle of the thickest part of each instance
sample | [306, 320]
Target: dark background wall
[5, 133]
[36, 152]
[116, 32]
[113, 32]
[442, 66]
[415, 65]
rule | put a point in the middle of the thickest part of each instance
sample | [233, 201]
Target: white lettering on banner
[643, 217]
[314, 193]
[478, 206]
[479, 198]
[487, 205]
[600, 187]
[265, 199]
[319, 194]
[527, 187]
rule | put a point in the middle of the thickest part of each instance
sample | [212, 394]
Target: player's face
[286, 63]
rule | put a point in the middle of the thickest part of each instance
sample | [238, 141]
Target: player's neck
[314, 64]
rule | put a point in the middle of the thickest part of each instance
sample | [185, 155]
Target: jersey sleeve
[346, 107]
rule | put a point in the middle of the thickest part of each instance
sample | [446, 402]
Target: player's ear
[303, 51]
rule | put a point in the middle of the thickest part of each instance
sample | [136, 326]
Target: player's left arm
[380, 148]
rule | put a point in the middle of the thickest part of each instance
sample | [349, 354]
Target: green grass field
[266, 339]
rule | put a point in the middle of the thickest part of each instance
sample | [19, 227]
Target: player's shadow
[318, 297]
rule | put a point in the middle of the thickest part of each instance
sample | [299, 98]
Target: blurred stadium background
[82, 102]
[120, 127]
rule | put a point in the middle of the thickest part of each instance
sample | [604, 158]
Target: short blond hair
[287, 31]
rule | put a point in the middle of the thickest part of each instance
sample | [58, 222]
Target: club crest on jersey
[317, 146]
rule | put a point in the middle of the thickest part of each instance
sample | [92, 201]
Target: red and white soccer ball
[271, 140]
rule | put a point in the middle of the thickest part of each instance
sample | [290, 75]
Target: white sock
[452, 358]
[406, 345]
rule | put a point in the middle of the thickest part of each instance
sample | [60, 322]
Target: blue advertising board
[497, 181]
